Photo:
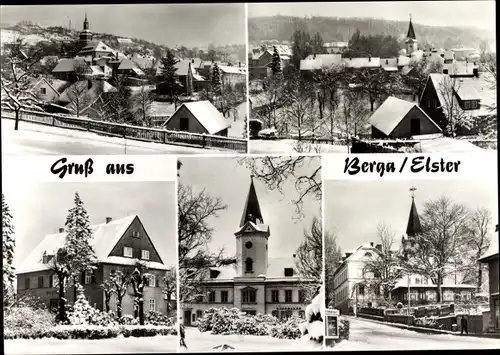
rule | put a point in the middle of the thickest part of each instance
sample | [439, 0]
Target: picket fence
[145, 134]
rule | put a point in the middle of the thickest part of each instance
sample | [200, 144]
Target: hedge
[89, 332]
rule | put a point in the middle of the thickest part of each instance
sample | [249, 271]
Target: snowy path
[35, 139]
[366, 335]
[157, 344]
[264, 146]
[205, 342]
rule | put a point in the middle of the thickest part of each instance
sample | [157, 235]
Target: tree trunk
[62, 302]
[141, 311]
[74, 289]
[372, 102]
[119, 307]
[479, 278]
[439, 289]
[168, 303]
[16, 125]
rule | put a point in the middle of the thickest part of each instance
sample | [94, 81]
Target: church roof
[413, 226]
[411, 32]
[251, 206]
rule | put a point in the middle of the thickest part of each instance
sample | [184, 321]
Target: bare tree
[60, 265]
[434, 252]
[309, 259]
[17, 71]
[120, 280]
[141, 106]
[382, 272]
[297, 112]
[333, 256]
[108, 290]
[355, 112]
[139, 278]
[194, 233]
[117, 104]
[170, 288]
[478, 242]
[275, 171]
[455, 117]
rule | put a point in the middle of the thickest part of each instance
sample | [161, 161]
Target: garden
[32, 320]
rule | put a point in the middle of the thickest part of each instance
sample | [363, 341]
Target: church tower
[252, 237]
[85, 34]
[413, 227]
[411, 40]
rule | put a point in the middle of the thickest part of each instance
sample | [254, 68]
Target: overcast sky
[353, 209]
[168, 24]
[39, 209]
[225, 178]
[479, 14]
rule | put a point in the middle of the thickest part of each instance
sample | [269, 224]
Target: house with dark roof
[82, 95]
[490, 258]
[198, 117]
[256, 283]
[397, 118]
[70, 69]
[118, 244]
[471, 97]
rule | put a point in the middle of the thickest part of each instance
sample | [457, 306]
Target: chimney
[61, 230]
[239, 64]
[108, 219]
[314, 56]
[89, 84]
[294, 256]
[369, 58]
[192, 60]
[378, 247]
[371, 244]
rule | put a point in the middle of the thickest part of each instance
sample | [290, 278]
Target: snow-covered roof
[67, 65]
[388, 116]
[264, 228]
[104, 238]
[492, 250]
[57, 85]
[447, 145]
[96, 70]
[336, 44]
[320, 61]
[207, 115]
[232, 69]
[162, 109]
[372, 62]
[95, 46]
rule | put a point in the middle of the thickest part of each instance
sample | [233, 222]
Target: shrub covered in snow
[291, 329]
[157, 318]
[82, 313]
[427, 322]
[28, 318]
[88, 332]
[127, 319]
[344, 329]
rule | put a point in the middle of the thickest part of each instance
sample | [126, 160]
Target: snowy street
[262, 146]
[120, 345]
[197, 341]
[368, 335]
[35, 139]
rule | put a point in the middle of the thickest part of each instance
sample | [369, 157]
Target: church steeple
[251, 211]
[414, 225]
[85, 34]
[86, 22]
[411, 31]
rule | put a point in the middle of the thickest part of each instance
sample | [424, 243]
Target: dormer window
[127, 252]
[135, 234]
[288, 272]
[248, 265]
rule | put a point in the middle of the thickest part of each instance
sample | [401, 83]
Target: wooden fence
[145, 134]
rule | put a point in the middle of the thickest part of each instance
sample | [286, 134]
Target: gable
[142, 242]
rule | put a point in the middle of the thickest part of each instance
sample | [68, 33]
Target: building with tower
[411, 39]
[85, 34]
[256, 283]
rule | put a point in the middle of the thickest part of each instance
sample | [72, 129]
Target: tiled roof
[95, 46]
[207, 115]
[252, 205]
[361, 62]
[67, 65]
[104, 238]
[413, 227]
[391, 113]
[231, 69]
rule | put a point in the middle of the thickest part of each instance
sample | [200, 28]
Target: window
[248, 245]
[288, 295]
[88, 277]
[302, 314]
[376, 274]
[275, 296]
[27, 283]
[199, 314]
[302, 297]
[387, 61]
[193, 317]
[368, 254]
[211, 297]
[474, 105]
[135, 234]
[184, 124]
[466, 105]
[417, 281]
[249, 296]
[40, 281]
[415, 126]
[224, 296]
[274, 314]
[55, 281]
[152, 280]
[250, 312]
[152, 305]
[127, 251]
[288, 271]
[145, 254]
[361, 289]
[249, 265]
[43, 91]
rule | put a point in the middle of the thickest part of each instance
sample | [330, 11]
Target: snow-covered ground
[120, 345]
[8, 36]
[35, 139]
[368, 335]
[263, 146]
[197, 341]
[238, 127]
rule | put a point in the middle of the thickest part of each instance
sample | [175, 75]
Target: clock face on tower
[248, 245]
